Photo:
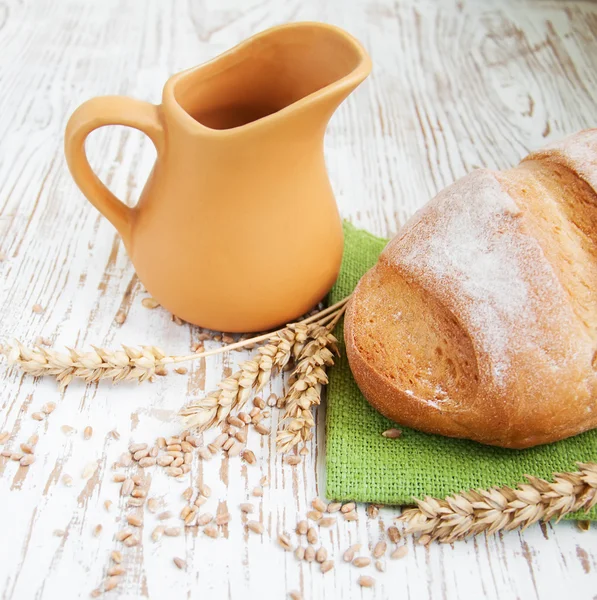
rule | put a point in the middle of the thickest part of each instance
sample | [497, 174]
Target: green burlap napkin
[364, 466]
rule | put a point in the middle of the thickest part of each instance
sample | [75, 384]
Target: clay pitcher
[237, 227]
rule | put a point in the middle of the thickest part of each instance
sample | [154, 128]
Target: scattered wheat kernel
[6, 453]
[181, 564]
[246, 507]
[150, 303]
[284, 541]
[235, 421]
[366, 581]
[186, 447]
[89, 470]
[312, 535]
[299, 553]
[116, 570]
[372, 511]
[116, 556]
[153, 505]
[319, 504]
[309, 554]
[97, 530]
[334, 507]
[134, 520]
[191, 516]
[302, 527]
[361, 561]
[294, 595]
[27, 448]
[204, 519]
[131, 541]
[138, 479]
[184, 512]
[380, 549]
[111, 583]
[141, 454]
[174, 448]
[314, 515]
[351, 516]
[139, 493]
[27, 460]
[114, 434]
[327, 522]
[49, 407]
[161, 443]
[235, 449]
[107, 504]
[157, 533]
[186, 468]
[262, 429]
[255, 526]
[67, 480]
[37, 308]
[380, 565]
[292, 460]
[241, 436]
[249, 457]
[16, 456]
[187, 494]
[348, 507]
[254, 412]
[59, 532]
[165, 460]
[172, 531]
[423, 540]
[393, 534]
[148, 461]
[326, 566]
[123, 534]
[118, 477]
[67, 429]
[321, 555]
[348, 556]
[229, 443]
[153, 453]
[264, 481]
[392, 433]
[211, 531]
[217, 338]
[172, 440]
[400, 552]
[257, 491]
[120, 318]
[135, 502]
[173, 471]
[96, 593]
[136, 447]
[583, 525]
[87, 432]
[37, 416]
[181, 370]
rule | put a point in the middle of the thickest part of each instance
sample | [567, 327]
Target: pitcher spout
[274, 75]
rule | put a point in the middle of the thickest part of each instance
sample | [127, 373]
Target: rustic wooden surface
[455, 85]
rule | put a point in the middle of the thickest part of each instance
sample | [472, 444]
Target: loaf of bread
[479, 320]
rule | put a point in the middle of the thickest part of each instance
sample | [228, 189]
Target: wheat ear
[234, 391]
[503, 508]
[136, 364]
[306, 383]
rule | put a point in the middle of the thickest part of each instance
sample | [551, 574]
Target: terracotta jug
[237, 227]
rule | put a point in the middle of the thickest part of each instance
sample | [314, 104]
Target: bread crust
[479, 320]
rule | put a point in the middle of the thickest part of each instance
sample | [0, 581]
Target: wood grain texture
[456, 85]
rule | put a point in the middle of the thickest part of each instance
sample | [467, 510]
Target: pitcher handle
[99, 112]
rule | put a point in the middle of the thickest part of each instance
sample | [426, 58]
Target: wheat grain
[380, 549]
[477, 511]
[366, 581]
[180, 563]
[400, 552]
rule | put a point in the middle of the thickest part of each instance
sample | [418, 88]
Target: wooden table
[456, 85]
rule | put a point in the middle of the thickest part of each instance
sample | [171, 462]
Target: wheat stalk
[503, 508]
[306, 382]
[136, 364]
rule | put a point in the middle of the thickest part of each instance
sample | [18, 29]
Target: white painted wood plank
[455, 85]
